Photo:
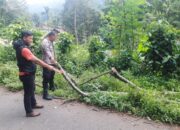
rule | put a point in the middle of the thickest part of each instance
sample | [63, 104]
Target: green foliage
[9, 76]
[154, 82]
[167, 10]
[79, 53]
[81, 19]
[96, 50]
[74, 68]
[149, 104]
[37, 39]
[143, 103]
[160, 54]
[122, 24]
[121, 62]
[13, 31]
[92, 87]
[64, 42]
[10, 10]
[75, 60]
[7, 54]
[109, 100]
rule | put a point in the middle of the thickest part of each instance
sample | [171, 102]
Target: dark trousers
[48, 80]
[29, 92]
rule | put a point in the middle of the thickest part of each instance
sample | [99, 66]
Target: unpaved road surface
[69, 116]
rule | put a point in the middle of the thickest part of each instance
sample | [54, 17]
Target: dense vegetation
[140, 38]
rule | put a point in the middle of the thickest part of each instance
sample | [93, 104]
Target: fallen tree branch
[120, 77]
[95, 77]
[72, 83]
[113, 72]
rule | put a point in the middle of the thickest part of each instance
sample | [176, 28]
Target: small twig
[68, 101]
[55, 97]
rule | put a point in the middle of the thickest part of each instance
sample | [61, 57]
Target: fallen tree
[112, 72]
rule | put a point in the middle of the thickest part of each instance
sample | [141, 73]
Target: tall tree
[168, 10]
[11, 9]
[36, 19]
[122, 23]
[80, 19]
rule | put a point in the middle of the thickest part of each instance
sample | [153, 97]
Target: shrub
[109, 100]
[13, 31]
[143, 103]
[122, 61]
[96, 50]
[160, 56]
[74, 68]
[7, 53]
[92, 87]
[9, 76]
[75, 61]
[64, 42]
[152, 104]
[37, 39]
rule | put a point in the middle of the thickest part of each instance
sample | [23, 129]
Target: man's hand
[54, 62]
[58, 71]
[114, 70]
[51, 68]
[62, 71]
[43, 64]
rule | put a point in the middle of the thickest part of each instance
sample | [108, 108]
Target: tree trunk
[75, 25]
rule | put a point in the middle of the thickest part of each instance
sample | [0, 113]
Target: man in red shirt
[26, 62]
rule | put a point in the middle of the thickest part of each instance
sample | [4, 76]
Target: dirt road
[70, 116]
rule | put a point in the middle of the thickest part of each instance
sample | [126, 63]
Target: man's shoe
[32, 114]
[53, 87]
[38, 107]
[47, 97]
